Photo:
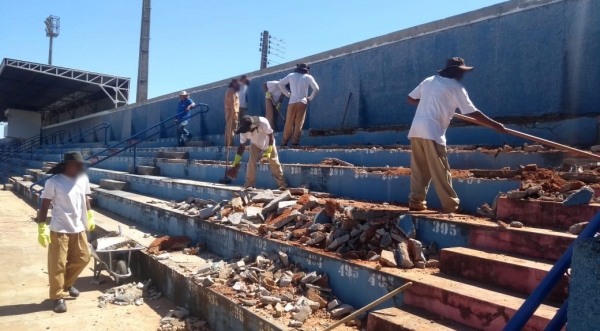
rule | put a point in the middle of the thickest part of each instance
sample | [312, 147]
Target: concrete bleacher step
[468, 303]
[144, 170]
[376, 156]
[545, 214]
[172, 155]
[199, 143]
[109, 184]
[519, 274]
[410, 319]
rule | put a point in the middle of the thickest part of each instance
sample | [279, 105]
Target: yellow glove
[91, 221]
[268, 95]
[278, 106]
[237, 160]
[267, 155]
[43, 234]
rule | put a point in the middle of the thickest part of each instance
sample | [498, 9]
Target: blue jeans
[183, 133]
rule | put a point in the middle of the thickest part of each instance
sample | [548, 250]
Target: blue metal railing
[11, 148]
[518, 321]
[131, 142]
[93, 130]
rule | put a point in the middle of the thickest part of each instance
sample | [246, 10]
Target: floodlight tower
[52, 31]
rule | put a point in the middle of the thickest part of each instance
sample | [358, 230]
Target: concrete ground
[24, 303]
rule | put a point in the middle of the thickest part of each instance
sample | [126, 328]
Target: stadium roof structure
[54, 90]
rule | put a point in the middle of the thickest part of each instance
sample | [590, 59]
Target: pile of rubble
[178, 320]
[347, 229]
[273, 285]
[129, 294]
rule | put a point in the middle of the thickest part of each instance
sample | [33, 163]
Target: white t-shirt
[260, 136]
[439, 98]
[299, 84]
[273, 89]
[242, 95]
[68, 195]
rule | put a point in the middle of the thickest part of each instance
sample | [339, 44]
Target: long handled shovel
[537, 139]
[225, 179]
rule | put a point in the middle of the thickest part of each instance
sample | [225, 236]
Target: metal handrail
[531, 304]
[102, 126]
[30, 143]
[131, 141]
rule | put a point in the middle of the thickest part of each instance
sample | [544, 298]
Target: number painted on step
[315, 171]
[261, 244]
[211, 190]
[191, 221]
[223, 194]
[295, 170]
[189, 188]
[221, 231]
[336, 172]
[179, 187]
[389, 177]
[285, 249]
[379, 280]
[238, 237]
[204, 226]
[315, 260]
[237, 312]
[360, 175]
[200, 189]
[263, 167]
[349, 271]
[444, 228]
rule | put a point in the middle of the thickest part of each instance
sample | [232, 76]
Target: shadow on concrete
[28, 308]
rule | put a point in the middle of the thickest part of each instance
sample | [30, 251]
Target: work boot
[73, 292]
[60, 306]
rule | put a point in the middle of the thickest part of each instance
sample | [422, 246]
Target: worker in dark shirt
[184, 108]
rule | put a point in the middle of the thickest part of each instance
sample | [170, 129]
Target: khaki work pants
[231, 122]
[68, 255]
[294, 120]
[276, 170]
[429, 162]
[271, 114]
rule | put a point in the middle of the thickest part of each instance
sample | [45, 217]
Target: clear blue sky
[195, 42]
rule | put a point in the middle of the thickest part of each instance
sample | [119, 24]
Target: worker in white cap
[184, 108]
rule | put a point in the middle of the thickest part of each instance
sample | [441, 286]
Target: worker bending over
[232, 109]
[299, 82]
[64, 234]
[273, 98]
[259, 132]
[437, 98]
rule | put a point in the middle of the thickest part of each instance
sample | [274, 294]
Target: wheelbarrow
[113, 254]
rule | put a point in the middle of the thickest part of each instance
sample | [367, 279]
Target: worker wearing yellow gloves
[257, 130]
[64, 234]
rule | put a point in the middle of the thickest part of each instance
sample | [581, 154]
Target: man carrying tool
[299, 82]
[437, 98]
[259, 132]
[184, 108]
[243, 94]
[273, 98]
[232, 109]
[64, 234]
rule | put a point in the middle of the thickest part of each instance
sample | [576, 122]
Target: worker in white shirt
[437, 98]
[257, 130]
[243, 95]
[64, 234]
[273, 98]
[299, 82]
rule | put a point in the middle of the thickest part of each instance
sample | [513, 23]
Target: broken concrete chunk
[253, 212]
[402, 256]
[248, 303]
[283, 205]
[577, 228]
[268, 300]
[342, 310]
[235, 218]
[516, 224]
[271, 206]
[386, 240]
[338, 242]
[532, 148]
[333, 304]
[278, 310]
[206, 281]
[284, 219]
[416, 249]
[516, 194]
[387, 259]
[310, 278]
[406, 225]
[265, 196]
[322, 218]
[295, 324]
[285, 280]
[283, 257]
[209, 211]
[302, 315]
[583, 196]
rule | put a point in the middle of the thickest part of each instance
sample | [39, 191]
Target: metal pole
[143, 61]
[371, 305]
[265, 49]
[50, 52]
[135, 160]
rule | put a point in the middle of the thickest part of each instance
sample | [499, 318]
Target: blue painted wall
[542, 61]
